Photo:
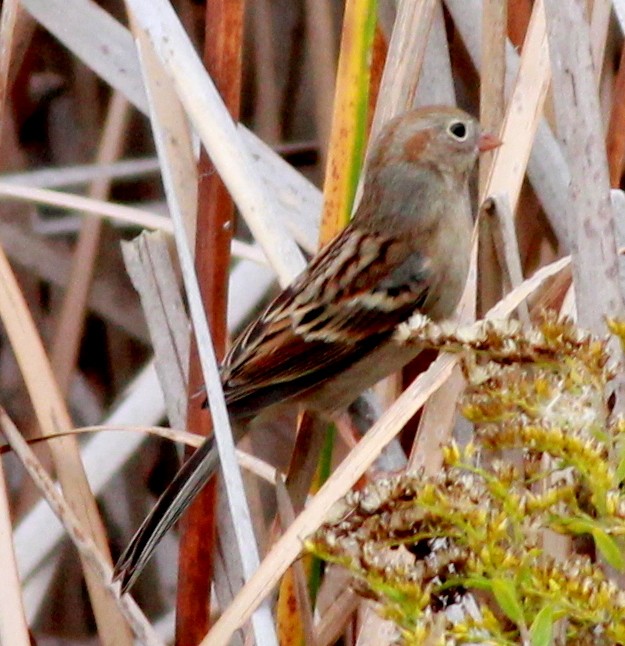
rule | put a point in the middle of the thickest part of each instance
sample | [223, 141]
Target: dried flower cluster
[467, 557]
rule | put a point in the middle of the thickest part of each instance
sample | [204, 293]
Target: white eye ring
[458, 130]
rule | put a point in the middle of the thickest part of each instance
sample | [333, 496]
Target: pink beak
[488, 142]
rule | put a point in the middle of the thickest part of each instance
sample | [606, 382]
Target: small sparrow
[329, 335]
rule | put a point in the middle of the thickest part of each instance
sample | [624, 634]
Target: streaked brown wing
[348, 302]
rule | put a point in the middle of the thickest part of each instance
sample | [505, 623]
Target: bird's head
[441, 139]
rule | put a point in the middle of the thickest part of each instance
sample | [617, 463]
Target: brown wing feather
[341, 308]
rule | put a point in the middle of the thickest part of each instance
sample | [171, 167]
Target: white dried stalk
[590, 216]
[118, 212]
[149, 266]
[262, 623]
[13, 627]
[523, 114]
[82, 173]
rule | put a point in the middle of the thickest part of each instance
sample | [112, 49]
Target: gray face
[418, 157]
[442, 140]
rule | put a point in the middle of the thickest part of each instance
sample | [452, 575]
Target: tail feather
[187, 483]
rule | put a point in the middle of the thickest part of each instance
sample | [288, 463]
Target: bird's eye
[458, 130]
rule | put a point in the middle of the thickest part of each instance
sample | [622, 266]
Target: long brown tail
[187, 483]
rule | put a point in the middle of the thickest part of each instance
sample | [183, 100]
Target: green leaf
[609, 548]
[577, 525]
[481, 583]
[542, 627]
[506, 596]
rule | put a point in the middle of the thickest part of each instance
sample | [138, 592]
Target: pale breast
[449, 253]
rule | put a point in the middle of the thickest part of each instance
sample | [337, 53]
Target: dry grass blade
[13, 627]
[323, 59]
[374, 630]
[116, 212]
[178, 137]
[68, 333]
[303, 618]
[149, 267]
[8, 21]
[332, 623]
[404, 60]
[96, 561]
[53, 417]
[436, 424]
[523, 114]
[492, 85]
[506, 245]
[249, 462]
[267, 118]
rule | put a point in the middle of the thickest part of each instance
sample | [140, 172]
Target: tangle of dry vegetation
[464, 557]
